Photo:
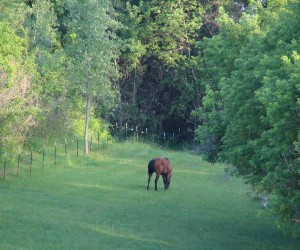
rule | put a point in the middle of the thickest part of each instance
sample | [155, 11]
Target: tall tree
[92, 48]
[277, 149]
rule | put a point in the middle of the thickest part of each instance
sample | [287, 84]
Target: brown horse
[161, 166]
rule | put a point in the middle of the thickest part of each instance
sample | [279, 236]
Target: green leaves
[40, 40]
[18, 110]
[159, 65]
[12, 48]
[92, 51]
[92, 48]
[255, 65]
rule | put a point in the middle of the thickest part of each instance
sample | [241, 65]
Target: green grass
[101, 202]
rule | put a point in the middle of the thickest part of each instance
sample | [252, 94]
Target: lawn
[101, 202]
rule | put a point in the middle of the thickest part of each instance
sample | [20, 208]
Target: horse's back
[162, 165]
[168, 165]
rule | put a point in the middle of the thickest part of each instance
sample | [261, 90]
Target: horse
[161, 166]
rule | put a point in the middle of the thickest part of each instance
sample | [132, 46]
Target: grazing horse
[161, 166]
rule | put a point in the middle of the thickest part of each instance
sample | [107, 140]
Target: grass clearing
[101, 202]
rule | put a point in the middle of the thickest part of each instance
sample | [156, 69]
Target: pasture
[101, 202]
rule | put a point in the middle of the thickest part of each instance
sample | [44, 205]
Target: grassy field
[101, 202]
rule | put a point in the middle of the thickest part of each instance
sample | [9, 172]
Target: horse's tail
[151, 168]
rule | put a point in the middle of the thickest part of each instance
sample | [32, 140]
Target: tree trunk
[134, 92]
[86, 128]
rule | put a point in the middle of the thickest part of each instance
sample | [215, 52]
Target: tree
[255, 91]
[279, 96]
[18, 94]
[159, 73]
[218, 63]
[45, 44]
[92, 48]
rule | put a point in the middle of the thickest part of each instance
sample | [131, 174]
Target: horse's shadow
[143, 187]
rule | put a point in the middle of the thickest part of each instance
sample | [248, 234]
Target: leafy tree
[220, 53]
[254, 96]
[18, 98]
[279, 96]
[92, 48]
[161, 82]
[159, 73]
[45, 45]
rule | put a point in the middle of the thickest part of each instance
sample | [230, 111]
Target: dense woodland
[227, 73]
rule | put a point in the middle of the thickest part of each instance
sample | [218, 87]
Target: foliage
[44, 43]
[18, 107]
[161, 81]
[250, 111]
[157, 64]
[92, 49]
[38, 96]
[98, 127]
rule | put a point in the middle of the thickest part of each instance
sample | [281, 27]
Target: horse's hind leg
[149, 179]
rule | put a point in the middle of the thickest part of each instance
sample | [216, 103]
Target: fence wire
[51, 153]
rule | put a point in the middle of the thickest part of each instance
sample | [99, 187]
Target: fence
[47, 154]
[142, 133]
[50, 155]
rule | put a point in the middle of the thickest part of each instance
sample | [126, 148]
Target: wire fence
[48, 154]
[57, 152]
[143, 133]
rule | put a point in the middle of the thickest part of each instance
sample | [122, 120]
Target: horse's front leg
[149, 179]
[164, 176]
[156, 179]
